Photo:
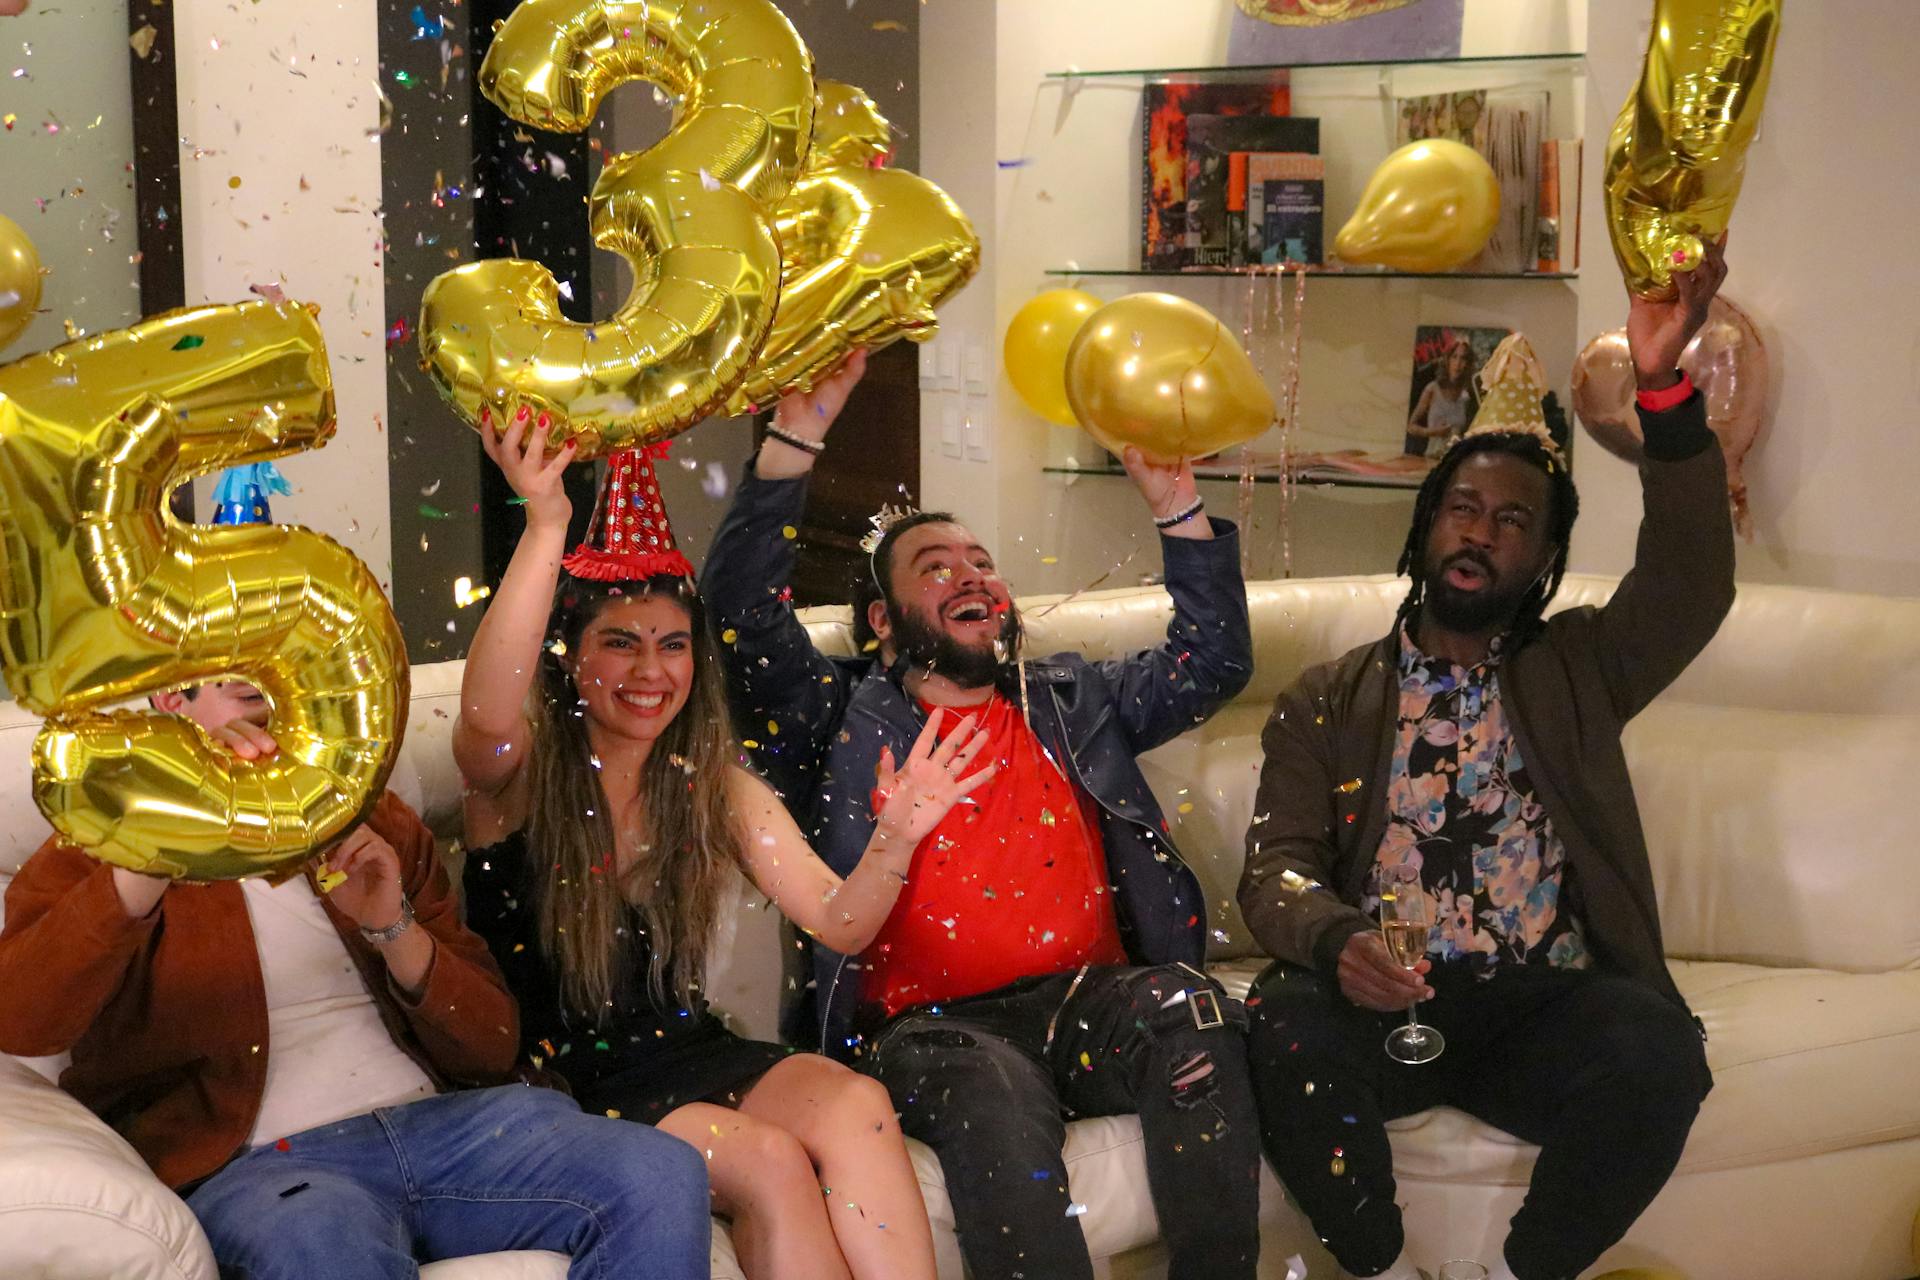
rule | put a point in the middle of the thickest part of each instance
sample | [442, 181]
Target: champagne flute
[1405, 920]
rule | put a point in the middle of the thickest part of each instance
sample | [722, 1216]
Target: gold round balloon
[19, 281]
[1677, 155]
[692, 215]
[866, 253]
[1430, 206]
[104, 597]
[1161, 373]
[1035, 351]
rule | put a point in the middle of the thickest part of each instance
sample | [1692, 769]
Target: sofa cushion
[1804, 1061]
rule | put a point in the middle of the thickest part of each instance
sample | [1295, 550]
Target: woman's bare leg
[764, 1183]
[847, 1125]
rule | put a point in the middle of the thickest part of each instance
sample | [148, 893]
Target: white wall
[71, 190]
[282, 97]
[1823, 256]
[1064, 171]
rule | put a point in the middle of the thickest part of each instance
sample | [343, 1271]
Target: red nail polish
[572, 443]
[486, 415]
[546, 420]
[522, 415]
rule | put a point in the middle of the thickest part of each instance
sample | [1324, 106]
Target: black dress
[646, 1057]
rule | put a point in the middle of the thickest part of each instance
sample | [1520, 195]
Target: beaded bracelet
[1182, 516]
[786, 437]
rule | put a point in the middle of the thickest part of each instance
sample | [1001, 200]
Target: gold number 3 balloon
[867, 252]
[1679, 147]
[105, 597]
[692, 215]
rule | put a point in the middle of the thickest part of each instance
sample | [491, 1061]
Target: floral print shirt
[1462, 813]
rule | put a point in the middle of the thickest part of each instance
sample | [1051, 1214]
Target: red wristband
[1661, 401]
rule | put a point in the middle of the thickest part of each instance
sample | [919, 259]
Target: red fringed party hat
[629, 539]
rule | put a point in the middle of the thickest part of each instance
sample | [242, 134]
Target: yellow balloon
[19, 280]
[866, 253]
[1679, 147]
[1035, 351]
[1160, 372]
[1430, 206]
[692, 215]
[105, 597]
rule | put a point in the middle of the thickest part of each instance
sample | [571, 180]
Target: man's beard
[925, 644]
[1470, 611]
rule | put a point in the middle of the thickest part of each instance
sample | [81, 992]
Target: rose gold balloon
[1603, 395]
[1728, 362]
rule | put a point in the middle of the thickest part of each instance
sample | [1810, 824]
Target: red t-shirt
[1010, 886]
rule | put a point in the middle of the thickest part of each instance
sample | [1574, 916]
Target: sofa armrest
[77, 1202]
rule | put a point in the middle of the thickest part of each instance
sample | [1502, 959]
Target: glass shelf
[1314, 273]
[1575, 61]
[1315, 478]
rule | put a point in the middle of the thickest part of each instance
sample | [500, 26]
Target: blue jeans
[487, 1171]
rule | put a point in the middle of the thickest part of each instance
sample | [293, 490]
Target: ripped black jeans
[990, 1082]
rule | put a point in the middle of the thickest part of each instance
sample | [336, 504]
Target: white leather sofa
[1768, 779]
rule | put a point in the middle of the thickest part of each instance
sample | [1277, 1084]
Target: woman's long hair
[689, 844]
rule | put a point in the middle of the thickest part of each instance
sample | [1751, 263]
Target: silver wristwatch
[394, 930]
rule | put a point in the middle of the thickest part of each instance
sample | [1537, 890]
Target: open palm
[917, 794]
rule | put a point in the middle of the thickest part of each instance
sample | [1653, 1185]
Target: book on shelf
[1212, 142]
[1285, 205]
[1559, 205]
[1166, 106]
[1506, 126]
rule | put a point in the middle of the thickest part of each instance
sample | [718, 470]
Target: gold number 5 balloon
[1679, 147]
[867, 253]
[692, 215]
[105, 597]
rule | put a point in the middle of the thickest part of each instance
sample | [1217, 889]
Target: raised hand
[1167, 487]
[521, 455]
[1659, 329]
[916, 795]
[811, 415]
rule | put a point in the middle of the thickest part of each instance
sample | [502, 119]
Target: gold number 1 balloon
[1679, 147]
[692, 215]
[104, 597]
[866, 252]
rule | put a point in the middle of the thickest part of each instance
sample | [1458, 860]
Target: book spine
[1547, 257]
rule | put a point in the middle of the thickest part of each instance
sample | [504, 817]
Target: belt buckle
[1205, 1003]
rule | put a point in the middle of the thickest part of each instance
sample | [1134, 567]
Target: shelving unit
[1357, 356]
[1516, 60]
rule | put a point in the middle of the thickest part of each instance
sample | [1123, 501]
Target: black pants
[979, 1083]
[1604, 1074]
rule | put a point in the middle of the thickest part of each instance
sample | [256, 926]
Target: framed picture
[1443, 397]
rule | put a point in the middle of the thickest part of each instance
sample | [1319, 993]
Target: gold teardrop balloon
[1678, 152]
[1160, 372]
[1430, 206]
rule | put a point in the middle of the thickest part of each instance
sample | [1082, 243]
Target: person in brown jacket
[1473, 756]
[290, 1061]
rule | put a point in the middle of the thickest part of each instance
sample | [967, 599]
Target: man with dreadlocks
[1042, 957]
[1473, 754]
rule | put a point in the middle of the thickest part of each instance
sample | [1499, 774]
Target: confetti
[190, 342]
[328, 881]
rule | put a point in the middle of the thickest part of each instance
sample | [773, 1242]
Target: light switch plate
[930, 365]
[976, 369]
[950, 365]
[975, 429]
[950, 429]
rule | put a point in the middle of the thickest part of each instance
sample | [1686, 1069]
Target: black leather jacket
[832, 717]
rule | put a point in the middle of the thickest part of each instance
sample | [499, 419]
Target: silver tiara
[880, 522]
